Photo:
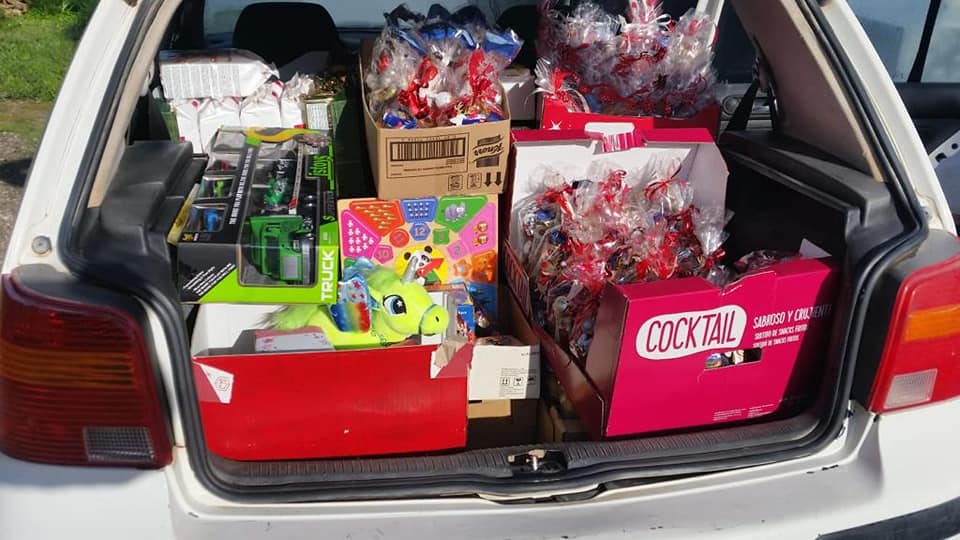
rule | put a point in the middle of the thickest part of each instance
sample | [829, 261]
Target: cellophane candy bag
[614, 226]
[437, 70]
[643, 63]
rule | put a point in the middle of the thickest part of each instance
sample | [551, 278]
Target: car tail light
[76, 384]
[921, 357]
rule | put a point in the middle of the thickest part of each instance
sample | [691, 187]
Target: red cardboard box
[554, 115]
[306, 405]
[652, 366]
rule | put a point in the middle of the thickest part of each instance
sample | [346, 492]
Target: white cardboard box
[504, 367]
[519, 86]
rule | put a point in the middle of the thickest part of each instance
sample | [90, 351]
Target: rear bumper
[941, 521]
[895, 467]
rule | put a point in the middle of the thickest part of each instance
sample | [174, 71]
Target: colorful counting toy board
[450, 239]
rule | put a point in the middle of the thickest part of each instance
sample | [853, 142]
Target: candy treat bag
[562, 85]
[639, 50]
[483, 100]
[643, 63]
[576, 292]
[690, 78]
[612, 226]
[541, 212]
[440, 69]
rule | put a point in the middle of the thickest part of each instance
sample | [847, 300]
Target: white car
[99, 426]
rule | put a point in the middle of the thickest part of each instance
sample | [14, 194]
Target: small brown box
[555, 428]
[501, 422]
[427, 162]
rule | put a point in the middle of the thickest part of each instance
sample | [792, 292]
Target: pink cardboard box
[682, 353]
[655, 356]
[654, 363]
[554, 115]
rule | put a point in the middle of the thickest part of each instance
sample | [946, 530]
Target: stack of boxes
[279, 213]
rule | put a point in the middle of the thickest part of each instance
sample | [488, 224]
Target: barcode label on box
[426, 156]
[424, 150]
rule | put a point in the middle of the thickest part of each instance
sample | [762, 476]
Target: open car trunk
[805, 196]
[783, 192]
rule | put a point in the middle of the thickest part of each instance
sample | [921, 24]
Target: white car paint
[67, 136]
[877, 470]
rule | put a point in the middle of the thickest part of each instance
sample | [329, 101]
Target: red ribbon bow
[658, 188]
[415, 104]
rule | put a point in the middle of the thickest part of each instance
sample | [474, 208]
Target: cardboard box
[310, 405]
[555, 428]
[455, 237]
[303, 339]
[411, 163]
[555, 116]
[504, 367]
[263, 227]
[670, 348]
[501, 422]
[520, 88]
[574, 152]
[683, 353]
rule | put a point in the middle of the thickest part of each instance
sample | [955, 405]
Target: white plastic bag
[291, 101]
[217, 113]
[215, 74]
[262, 109]
[187, 112]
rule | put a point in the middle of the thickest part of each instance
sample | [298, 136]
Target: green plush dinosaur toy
[375, 307]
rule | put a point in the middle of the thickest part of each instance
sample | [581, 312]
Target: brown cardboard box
[501, 422]
[555, 428]
[409, 163]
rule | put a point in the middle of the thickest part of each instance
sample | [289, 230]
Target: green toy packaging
[262, 226]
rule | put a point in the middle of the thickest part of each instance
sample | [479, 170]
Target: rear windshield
[220, 16]
[895, 27]
[734, 52]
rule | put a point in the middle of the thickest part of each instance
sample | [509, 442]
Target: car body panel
[69, 133]
[879, 470]
[892, 112]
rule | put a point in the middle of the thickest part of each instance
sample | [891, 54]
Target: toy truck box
[262, 226]
[451, 239]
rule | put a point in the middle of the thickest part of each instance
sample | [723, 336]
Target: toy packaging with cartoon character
[450, 239]
[261, 227]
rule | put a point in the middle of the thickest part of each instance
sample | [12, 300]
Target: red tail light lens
[921, 358]
[76, 384]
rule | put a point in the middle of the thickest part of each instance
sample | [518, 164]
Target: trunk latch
[538, 461]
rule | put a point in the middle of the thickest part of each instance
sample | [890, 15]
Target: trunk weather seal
[170, 315]
[895, 178]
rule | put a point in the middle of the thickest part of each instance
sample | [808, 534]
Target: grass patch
[36, 48]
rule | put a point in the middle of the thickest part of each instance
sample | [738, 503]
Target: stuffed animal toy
[375, 307]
